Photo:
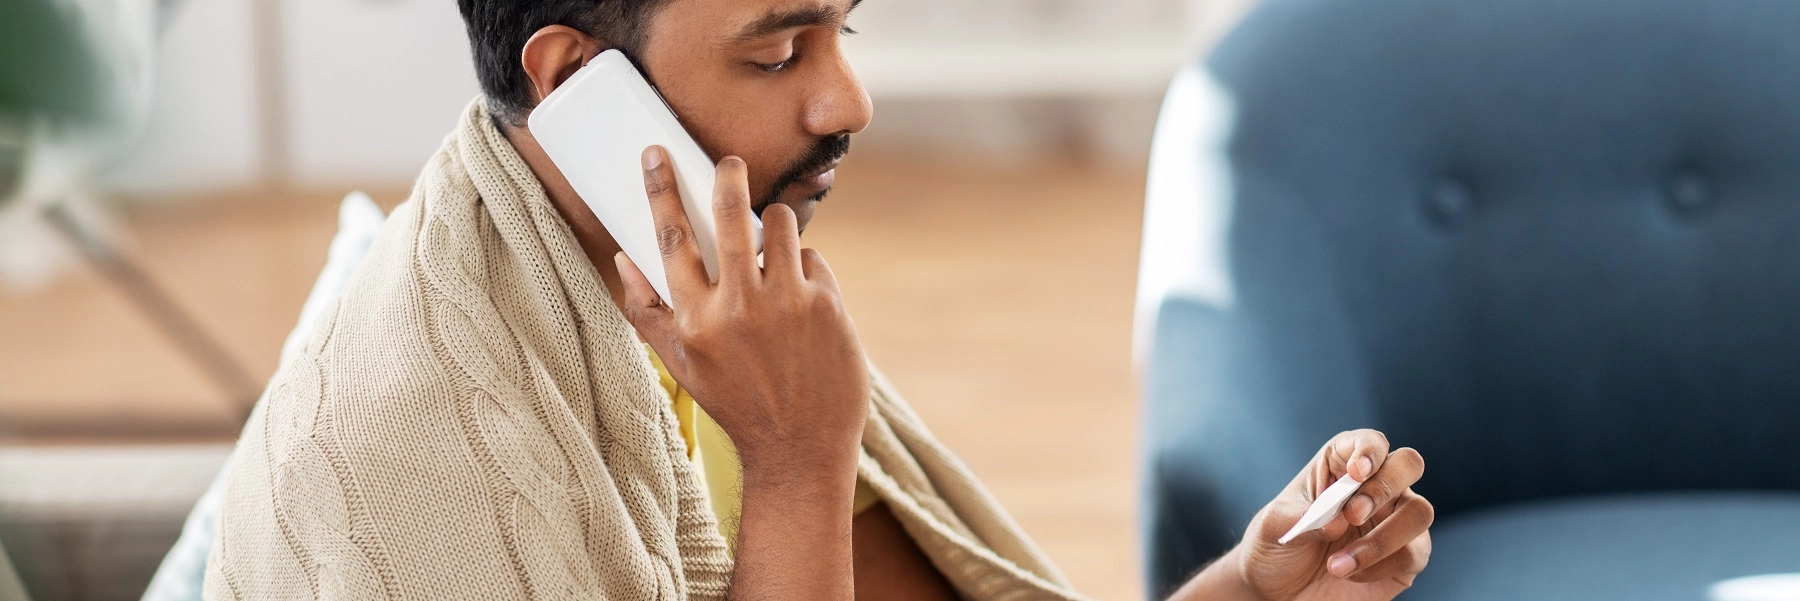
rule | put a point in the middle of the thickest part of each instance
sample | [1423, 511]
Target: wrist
[804, 469]
[778, 452]
[1233, 570]
[1224, 578]
[818, 492]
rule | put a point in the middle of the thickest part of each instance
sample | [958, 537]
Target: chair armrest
[1229, 421]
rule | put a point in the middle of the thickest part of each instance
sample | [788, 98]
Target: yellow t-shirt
[716, 458]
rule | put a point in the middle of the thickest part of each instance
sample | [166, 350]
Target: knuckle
[735, 299]
[1371, 435]
[802, 302]
[1405, 556]
[737, 312]
[732, 206]
[1427, 511]
[669, 238]
[689, 331]
[655, 183]
[1374, 548]
[826, 304]
[1386, 490]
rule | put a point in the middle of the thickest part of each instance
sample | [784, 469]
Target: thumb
[653, 319]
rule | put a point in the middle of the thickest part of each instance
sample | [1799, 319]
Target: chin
[803, 210]
[803, 206]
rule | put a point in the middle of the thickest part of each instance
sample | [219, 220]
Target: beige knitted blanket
[476, 420]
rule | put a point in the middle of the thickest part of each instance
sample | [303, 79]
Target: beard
[822, 154]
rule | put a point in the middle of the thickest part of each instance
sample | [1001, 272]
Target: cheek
[754, 121]
[767, 151]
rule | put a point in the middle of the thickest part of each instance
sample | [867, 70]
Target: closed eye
[777, 67]
[783, 65]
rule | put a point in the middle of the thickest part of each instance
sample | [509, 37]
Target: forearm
[1219, 581]
[794, 538]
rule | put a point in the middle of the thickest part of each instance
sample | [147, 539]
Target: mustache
[822, 154]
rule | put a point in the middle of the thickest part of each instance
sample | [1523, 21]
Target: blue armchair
[1552, 244]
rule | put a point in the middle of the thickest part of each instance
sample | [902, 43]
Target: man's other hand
[1371, 551]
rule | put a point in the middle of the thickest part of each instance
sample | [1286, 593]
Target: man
[478, 419]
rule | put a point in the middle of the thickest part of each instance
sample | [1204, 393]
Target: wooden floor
[997, 300]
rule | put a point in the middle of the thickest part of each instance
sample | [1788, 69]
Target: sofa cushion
[91, 523]
[1672, 546]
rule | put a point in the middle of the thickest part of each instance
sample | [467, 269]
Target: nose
[840, 105]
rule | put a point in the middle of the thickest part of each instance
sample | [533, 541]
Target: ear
[553, 54]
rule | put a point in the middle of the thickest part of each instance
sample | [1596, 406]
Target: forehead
[728, 21]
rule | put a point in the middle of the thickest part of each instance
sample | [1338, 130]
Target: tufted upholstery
[1552, 244]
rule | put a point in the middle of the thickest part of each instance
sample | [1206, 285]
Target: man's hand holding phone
[771, 355]
[767, 350]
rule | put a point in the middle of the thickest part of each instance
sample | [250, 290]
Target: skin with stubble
[771, 353]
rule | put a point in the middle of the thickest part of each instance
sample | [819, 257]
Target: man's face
[763, 80]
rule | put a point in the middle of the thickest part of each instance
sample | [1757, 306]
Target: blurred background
[1135, 260]
[163, 218]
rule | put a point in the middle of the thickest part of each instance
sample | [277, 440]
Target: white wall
[370, 89]
[1021, 48]
[1023, 81]
[203, 128]
[373, 87]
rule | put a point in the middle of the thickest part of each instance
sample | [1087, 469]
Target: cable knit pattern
[476, 420]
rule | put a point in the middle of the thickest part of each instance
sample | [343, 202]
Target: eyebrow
[777, 21]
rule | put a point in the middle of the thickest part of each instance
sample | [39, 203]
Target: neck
[595, 241]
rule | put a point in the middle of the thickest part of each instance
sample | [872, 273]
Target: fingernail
[652, 158]
[1341, 565]
[1368, 466]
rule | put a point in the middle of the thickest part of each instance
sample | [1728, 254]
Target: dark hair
[498, 30]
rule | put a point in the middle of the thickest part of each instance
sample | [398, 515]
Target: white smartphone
[595, 127]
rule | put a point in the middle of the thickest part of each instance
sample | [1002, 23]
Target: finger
[1337, 527]
[1382, 513]
[1412, 517]
[653, 319]
[781, 243]
[681, 258]
[731, 216]
[1399, 472]
[816, 271]
[1402, 566]
[1358, 453]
